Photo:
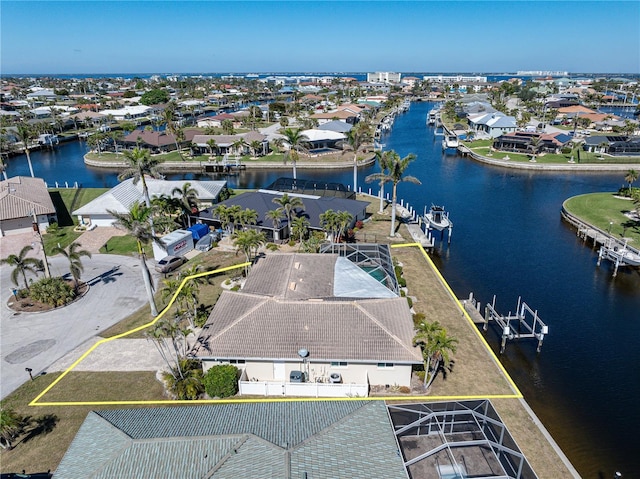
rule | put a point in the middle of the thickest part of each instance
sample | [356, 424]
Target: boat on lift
[621, 255]
[432, 116]
[437, 218]
[450, 141]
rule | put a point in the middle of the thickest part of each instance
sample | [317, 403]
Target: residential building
[23, 201]
[319, 314]
[122, 196]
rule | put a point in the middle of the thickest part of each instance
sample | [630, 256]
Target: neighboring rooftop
[268, 440]
[22, 196]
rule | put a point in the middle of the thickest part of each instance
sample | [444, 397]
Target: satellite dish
[303, 353]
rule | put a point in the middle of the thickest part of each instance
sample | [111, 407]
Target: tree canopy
[154, 97]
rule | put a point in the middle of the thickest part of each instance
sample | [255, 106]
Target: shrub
[418, 318]
[402, 282]
[272, 247]
[235, 287]
[52, 291]
[187, 383]
[292, 243]
[420, 375]
[410, 301]
[404, 390]
[359, 224]
[221, 381]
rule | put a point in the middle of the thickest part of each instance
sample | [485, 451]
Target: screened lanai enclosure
[457, 440]
[373, 258]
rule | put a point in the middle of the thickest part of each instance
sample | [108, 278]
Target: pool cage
[311, 187]
[457, 440]
[373, 258]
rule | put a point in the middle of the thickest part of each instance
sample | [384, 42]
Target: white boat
[432, 115]
[620, 255]
[438, 218]
[450, 141]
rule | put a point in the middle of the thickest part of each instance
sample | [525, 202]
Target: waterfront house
[319, 314]
[525, 142]
[261, 201]
[494, 124]
[156, 141]
[231, 144]
[122, 196]
[24, 200]
[612, 144]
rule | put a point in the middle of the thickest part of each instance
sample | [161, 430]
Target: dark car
[169, 263]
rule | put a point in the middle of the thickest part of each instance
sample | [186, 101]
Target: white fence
[269, 388]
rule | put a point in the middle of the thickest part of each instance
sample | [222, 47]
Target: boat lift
[525, 323]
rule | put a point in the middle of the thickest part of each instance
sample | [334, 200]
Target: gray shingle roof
[262, 202]
[325, 439]
[21, 195]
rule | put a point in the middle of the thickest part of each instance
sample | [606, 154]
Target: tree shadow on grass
[38, 426]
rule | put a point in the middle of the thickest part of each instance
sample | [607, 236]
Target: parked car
[169, 263]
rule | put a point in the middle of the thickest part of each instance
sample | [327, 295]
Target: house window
[339, 364]
[231, 361]
[385, 365]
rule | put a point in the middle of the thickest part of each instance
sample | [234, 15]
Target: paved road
[37, 340]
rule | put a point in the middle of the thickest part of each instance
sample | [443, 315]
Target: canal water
[509, 241]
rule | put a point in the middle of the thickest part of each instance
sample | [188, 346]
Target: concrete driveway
[37, 340]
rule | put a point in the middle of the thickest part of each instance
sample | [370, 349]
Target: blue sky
[272, 36]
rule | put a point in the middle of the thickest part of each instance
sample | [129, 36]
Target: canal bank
[509, 241]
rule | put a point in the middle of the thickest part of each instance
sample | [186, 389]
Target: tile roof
[20, 196]
[268, 440]
[249, 326]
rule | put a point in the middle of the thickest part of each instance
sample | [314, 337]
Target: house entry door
[278, 371]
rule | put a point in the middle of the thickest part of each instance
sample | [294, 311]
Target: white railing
[279, 388]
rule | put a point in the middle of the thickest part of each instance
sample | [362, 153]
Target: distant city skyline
[66, 37]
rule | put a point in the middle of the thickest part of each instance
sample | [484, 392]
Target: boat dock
[613, 249]
[524, 324]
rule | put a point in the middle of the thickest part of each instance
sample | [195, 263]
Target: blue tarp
[198, 231]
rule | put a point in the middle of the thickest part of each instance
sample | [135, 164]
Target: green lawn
[66, 200]
[600, 209]
[42, 449]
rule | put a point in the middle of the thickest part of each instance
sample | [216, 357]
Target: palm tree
[297, 143]
[239, 146]
[248, 241]
[11, 426]
[255, 145]
[289, 204]
[329, 223]
[167, 116]
[343, 220]
[140, 164]
[25, 134]
[188, 199]
[631, 176]
[247, 217]
[300, 227]
[356, 137]
[227, 127]
[21, 264]
[383, 161]
[138, 223]
[73, 255]
[276, 218]
[397, 167]
[436, 346]
[211, 143]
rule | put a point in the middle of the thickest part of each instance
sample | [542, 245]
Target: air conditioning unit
[335, 378]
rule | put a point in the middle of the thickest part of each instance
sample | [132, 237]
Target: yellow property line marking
[466, 315]
[517, 394]
[122, 335]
